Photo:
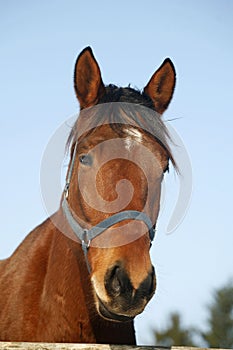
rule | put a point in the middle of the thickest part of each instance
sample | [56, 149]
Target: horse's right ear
[88, 83]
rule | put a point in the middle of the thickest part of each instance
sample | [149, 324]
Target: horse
[85, 273]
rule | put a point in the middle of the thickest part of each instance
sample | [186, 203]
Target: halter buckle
[66, 190]
[85, 246]
[85, 241]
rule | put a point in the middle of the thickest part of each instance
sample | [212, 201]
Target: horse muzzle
[124, 301]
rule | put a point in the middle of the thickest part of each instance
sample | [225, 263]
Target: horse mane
[123, 106]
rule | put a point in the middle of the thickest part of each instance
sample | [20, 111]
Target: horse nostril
[116, 281]
[151, 281]
[147, 287]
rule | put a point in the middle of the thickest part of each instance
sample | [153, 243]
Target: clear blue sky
[39, 44]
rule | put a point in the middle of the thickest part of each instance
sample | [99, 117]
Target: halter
[87, 235]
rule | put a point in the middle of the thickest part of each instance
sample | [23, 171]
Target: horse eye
[85, 159]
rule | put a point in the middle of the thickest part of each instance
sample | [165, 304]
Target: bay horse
[61, 286]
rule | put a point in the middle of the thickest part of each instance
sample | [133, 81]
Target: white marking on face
[128, 143]
[134, 135]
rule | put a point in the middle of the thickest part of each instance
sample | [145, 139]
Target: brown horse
[54, 289]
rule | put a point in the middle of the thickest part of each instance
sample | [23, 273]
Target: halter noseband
[87, 235]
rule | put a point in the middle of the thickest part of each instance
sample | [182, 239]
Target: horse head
[114, 183]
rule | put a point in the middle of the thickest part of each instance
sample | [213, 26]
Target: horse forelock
[126, 94]
[121, 107]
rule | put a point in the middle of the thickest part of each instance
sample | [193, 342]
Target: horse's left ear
[88, 83]
[161, 86]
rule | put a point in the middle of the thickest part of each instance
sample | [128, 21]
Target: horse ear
[161, 86]
[88, 84]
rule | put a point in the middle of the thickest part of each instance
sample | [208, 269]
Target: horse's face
[122, 274]
[115, 173]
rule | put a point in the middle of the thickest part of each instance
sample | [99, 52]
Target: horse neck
[67, 288]
[66, 256]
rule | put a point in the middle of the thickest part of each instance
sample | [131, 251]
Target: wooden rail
[68, 346]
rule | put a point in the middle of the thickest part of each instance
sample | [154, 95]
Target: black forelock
[130, 111]
[126, 94]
